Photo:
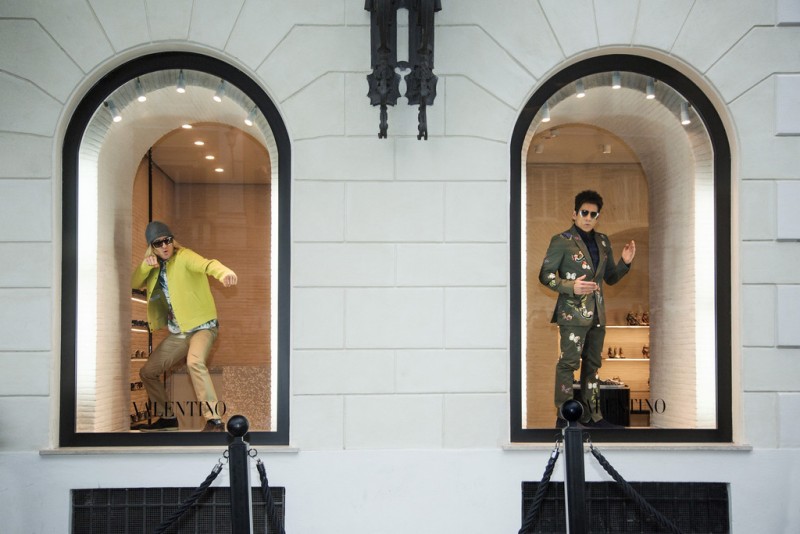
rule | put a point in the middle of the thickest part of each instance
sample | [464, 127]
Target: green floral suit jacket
[566, 260]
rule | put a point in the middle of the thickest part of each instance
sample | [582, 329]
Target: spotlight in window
[209, 157]
[546, 112]
[199, 143]
[219, 169]
[580, 90]
[140, 96]
[616, 80]
[186, 126]
[251, 117]
[181, 85]
[685, 120]
[651, 89]
[113, 111]
[606, 149]
[220, 91]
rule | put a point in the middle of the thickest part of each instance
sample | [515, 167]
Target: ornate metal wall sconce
[384, 81]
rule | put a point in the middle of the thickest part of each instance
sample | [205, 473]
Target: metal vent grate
[142, 510]
[694, 507]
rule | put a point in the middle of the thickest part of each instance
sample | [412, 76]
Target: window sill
[663, 447]
[205, 449]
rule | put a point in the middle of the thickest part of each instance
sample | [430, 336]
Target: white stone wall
[399, 346]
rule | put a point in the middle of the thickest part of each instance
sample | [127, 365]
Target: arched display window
[194, 143]
[650, 142]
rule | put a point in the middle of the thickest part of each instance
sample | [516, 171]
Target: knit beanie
[155, 230]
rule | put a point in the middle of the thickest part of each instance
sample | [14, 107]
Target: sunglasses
[592, 214]
[158, 243]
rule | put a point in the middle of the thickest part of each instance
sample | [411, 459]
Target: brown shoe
[214, 425]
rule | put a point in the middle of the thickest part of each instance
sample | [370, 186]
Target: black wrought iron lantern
[384, 81]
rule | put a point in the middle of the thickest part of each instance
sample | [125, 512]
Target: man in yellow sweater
[179, 297]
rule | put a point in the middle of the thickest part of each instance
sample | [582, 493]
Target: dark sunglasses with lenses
[592, 214]
[158, 243]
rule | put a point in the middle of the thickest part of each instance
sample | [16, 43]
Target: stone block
[476, 212]
[787, 195]
[476, 318]
[394, 318]
[788, 316]
[318, 211]
[317, 110]
[318, 318]
[344, 264]
[452, 265]
[318, 422]
[758, 315]
[395, 212]
[341, 372]
[25, 315]
[393, 422]
[451, 371]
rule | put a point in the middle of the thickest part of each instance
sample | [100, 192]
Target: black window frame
[93, 100]
[722, 234]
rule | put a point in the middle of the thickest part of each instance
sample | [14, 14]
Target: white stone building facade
[403, 427]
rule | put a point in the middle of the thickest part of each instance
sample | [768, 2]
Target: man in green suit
[577, 264]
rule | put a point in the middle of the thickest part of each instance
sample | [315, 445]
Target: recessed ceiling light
[140, 96]
[209, 157]
[220, 91]
[219, 169]
[580, 89]
[651, 89]
[251, 116]
[112, 109]
[200, 143]
[545, 112]
[186, 126]
[685, 120]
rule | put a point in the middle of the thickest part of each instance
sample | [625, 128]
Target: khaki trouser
[195, 348]
[580, 347]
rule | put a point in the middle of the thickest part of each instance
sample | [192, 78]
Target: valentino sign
[384, 82]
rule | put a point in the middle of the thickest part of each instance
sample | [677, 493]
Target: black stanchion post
[574, 476]
[241, 498]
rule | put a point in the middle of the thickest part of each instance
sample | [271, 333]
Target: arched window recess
[651, 143]
[192, 141]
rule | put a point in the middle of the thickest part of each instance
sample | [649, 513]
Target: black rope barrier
[193, 498]
[634, 495]
[272, 514]
[541, 489]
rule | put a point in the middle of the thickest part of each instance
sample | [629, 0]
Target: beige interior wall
[550, 194]
[231, 223]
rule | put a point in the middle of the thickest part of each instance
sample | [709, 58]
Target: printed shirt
[171, 324]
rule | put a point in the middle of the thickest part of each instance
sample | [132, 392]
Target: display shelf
[141, 343]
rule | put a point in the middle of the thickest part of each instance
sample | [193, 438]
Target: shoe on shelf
[162, 425]
[214, 425]
[602, 424]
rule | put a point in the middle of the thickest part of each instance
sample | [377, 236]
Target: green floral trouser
[581, 346]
